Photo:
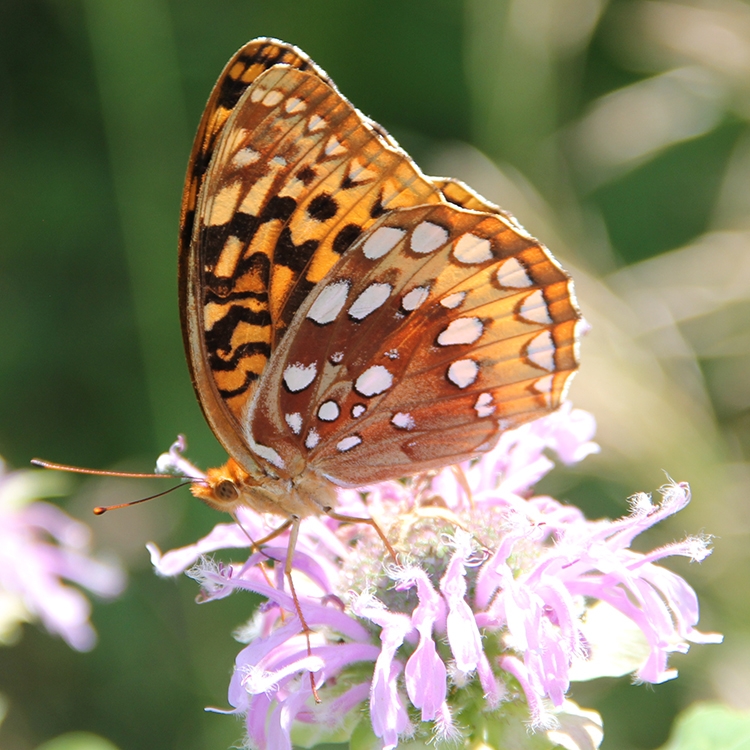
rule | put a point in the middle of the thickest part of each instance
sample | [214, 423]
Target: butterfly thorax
[229, 486]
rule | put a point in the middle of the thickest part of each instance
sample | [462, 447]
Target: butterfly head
[225, 488]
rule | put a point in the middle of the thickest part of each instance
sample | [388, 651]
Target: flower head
[40, 547]
[488, 615]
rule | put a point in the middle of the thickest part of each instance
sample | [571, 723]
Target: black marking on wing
[267, 56]
[222, 285]
[250, 377]
[322, 207]
[306, 175]
[219, 338]
[216, 297]
[252, 347]
[242, 225]
[260, 263]
[377, 207]
[278, 207]
[296, 257]
[343, 240]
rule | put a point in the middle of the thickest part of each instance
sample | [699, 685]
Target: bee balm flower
[479, 629]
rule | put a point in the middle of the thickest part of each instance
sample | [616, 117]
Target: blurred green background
[618, 132]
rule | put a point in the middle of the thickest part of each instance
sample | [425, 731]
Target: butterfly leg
[294, 522]
[284, 526]
[370, 522]
[257, 546]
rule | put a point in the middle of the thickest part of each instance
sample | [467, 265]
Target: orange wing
[295, 175]
[239, 73]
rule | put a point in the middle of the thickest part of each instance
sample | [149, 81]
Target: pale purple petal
[539, 717]
[494, 691]
[173, 462]
[66, 530]
[389, 717]
[256, 718]
[257, 680]
[463, 633]
[333, 710]
[283, 716]
[425, 676]
[222, 536]
[572, 433]
[446, 730]
[425, 672]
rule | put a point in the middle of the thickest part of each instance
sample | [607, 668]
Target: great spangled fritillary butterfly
[347, 319]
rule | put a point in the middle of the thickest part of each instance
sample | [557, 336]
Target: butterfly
[348, 319]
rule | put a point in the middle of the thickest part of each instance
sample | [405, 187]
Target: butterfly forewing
[296, 176]
[239, 73]
[439, 328]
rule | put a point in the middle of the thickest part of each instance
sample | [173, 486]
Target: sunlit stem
[276, 532]
[460, 476]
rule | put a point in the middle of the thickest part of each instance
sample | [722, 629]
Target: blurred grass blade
[142, 105]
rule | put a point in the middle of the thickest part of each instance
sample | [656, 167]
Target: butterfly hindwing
[439, 328]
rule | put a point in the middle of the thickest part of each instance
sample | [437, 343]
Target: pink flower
[492, 608]
[40, 546]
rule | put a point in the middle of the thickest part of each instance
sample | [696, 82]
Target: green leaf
[363, 738]
[710, 726]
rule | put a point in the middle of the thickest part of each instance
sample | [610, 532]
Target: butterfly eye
[226, 491]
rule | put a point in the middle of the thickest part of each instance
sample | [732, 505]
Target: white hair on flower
[212, 576]
[640, 504]
[675, 493]
[364, 601]
[256, 680]
[698, 547]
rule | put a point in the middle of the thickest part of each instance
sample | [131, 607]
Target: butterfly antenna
[96, 472]
[98, 511]
[104, 473]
